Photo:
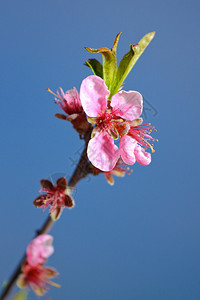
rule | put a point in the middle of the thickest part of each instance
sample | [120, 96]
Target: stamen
[142, 134]
[44, 201]
[50, 91]
[53, 283]
[150, 146]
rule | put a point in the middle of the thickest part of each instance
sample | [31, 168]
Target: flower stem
[80, 172]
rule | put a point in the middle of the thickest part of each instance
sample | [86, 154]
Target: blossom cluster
[118, 133]
[34, 274]
[111, 117]
[116, 117]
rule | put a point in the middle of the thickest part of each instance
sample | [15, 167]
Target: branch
[80, 172]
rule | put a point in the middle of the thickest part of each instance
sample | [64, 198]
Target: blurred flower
[55, 196]
[114, 119]
[39, 249]
[34, 274]
[37, 278]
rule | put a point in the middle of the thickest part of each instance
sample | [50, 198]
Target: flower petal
[144, 158]
[102, 152]
[128, 105]
[47, 184]
[39, 249]
[69, 201]
[62, 183]
[74, 102]
[127, 146]
[69, 101]
[94, 94]
[39, 201]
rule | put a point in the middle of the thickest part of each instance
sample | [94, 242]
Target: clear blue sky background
[136, 240]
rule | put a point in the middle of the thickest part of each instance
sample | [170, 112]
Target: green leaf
[129, 60]
[109, 62]
[95, 66]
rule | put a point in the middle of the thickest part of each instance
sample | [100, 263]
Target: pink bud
[39, 249]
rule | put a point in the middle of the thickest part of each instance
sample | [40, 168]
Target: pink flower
[55, 196]
[39, 249]
[37, 278]
[114, 118]
[70, 103]
[34, 274]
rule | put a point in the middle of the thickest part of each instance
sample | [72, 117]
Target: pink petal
[94, 94]
[127, 147]
[128, 105]
[73, 101]
[102, 152]
[69, 101]
[77, 100]
[144, 158]
[39, 249]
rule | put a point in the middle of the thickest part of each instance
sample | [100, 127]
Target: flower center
[114, 125]
[105, 120]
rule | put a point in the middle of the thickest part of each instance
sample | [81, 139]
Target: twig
[80, 172]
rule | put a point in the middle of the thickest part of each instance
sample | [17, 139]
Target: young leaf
[109, 62]
[95, 66]
[129, 60]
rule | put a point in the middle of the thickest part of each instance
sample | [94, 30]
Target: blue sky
[136, 240]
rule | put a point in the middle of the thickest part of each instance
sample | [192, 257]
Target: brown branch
[80, 172]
